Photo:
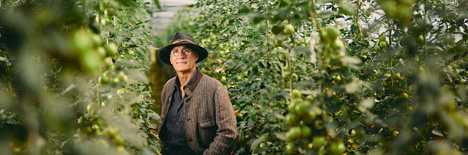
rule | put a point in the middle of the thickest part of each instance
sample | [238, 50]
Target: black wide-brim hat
[181, 38]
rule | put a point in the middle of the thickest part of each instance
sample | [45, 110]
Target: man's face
[183, 58]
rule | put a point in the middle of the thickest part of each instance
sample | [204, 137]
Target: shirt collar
[192, 78]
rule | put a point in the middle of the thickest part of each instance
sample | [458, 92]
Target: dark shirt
[175, 123]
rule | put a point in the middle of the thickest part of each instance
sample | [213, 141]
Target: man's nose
[182, 55]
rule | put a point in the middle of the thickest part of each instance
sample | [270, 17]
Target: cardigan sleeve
[226, 133]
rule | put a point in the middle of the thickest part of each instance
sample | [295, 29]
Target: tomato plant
[363, 76]
[74, 78]
[305, 77]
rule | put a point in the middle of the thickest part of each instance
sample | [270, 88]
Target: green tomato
[324, 35]
[104, 79]
[121, 73]
[100, 122]
[223, 79]
[290, 148]
[118, 140]
[333, 33]
[337, 44]
[17, 150]
[383, 44]
[292, 119]
[338, 148]
[96, 40]
[101, 51]
[288, 29]
[90, 62]
[95, 127]
[382, 38]
[310, 117]
[240, 78]
[376, 73]
[364, 57]
[104, 21]
[295, 77]
[294, 133]
[108, 61]
[245, 73]
[296, 94]
[123, 77]
[302, 108]
[377, 48]
[397, 76]
[291, 107]
[131, 52]
[111, 49]
[120, 91]
[240, 116]
[318, 141]
[306, 132]
[404, 13]
[389, 7]
[81, 41]
[115, 81]
[405, 95]
[337, 78]
[112, 132]
[88, 130]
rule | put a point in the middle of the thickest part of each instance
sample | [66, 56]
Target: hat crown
[181, 36]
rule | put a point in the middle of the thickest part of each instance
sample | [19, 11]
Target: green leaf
[354, 86]
[258, 18]
[244, 9]
[259, 140]
[347, 8]
[129, 3]
[351, 60]
[3, 59]
[276, 29]
[156, 4]
[281, 136]
[366, 104]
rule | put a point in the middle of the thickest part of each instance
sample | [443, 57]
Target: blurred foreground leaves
[73, 78]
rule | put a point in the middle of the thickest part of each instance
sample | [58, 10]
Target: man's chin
[183, 69]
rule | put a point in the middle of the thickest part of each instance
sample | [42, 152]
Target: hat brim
[164, 53]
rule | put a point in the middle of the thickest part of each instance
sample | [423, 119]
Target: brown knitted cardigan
[210, 124]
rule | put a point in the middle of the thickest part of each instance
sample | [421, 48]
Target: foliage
[74, 78]
[361, 76]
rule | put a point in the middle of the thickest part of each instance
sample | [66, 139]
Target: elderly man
[197, 114]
